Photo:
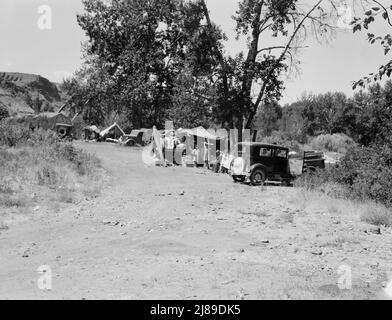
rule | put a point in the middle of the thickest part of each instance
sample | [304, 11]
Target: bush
[83, 162]
[3, 113]
[280, 139]
[12, 135]
[377, 215]
[365, 172]
[334, 143]
[41, 161]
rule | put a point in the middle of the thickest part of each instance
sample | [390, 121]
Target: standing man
[169, 144]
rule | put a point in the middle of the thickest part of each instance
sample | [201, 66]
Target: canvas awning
[199, 132]
[93, 129]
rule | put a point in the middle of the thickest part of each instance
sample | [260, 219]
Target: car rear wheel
[258, 177]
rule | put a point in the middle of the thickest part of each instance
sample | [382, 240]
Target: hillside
[23, 93]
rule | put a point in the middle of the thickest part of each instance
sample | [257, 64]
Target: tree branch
[280, 47]
[385, 10]
[280, 59]
[217, 50]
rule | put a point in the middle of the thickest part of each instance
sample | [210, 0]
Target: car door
[265, 157]
[280, 158]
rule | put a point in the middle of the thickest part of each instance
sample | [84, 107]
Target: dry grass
[50, 170]
[365, 211]
[377, 215]
[339, 242]
[13, 201]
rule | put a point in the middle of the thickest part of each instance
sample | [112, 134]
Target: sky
[55, 53]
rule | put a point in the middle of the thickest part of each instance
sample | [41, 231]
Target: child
[195, 156]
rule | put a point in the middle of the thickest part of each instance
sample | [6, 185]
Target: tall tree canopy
[156, 59]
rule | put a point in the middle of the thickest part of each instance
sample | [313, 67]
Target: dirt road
[177, 233]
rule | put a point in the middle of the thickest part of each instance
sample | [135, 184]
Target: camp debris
[91, 133]
[57, 122]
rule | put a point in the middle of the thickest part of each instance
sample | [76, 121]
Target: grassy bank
[36, 168]
[340, 199]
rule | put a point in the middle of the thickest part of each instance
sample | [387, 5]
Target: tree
[373, 115]
[378, 10]
[325, 113]
[141, 49]
[267, 119]
[251, 79]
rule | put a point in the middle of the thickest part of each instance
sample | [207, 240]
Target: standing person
[169, 147]
[195, 156]
[180, 151]
[218, 163]
[225, 166]
[206, 155]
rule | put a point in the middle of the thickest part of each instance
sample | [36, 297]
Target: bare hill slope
[23, 93]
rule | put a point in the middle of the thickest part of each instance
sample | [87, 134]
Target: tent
[93, 129]
[198, 132]
[206, 152]
[113, 132]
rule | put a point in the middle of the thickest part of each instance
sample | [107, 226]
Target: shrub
[3, 112]
[365, 172]
[12, 135]
[377, 215]
[279, 138]
[40, 159]
[313, 180]
[334, 143]
[83, 162]
[13, 201]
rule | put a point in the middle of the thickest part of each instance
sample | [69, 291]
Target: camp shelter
[91, 132]
[147, 137]
[207, 141]
[199, 132]
[113, 132]
[51, 120]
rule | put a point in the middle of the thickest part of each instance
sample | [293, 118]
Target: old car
[137, 138]
[313, 161]
[258, 162]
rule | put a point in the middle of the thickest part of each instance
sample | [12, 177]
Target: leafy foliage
[383, 12]
[366, 118]
[136, 53]
[365, 172]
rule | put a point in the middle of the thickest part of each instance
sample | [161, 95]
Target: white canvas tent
[114, 130]
[198, 132]
[207, 153]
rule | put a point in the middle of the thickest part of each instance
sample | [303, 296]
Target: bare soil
[180, 233]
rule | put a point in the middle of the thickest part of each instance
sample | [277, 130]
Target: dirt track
[177, 233]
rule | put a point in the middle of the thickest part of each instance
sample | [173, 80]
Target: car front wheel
[258, 177]
[239, 179]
